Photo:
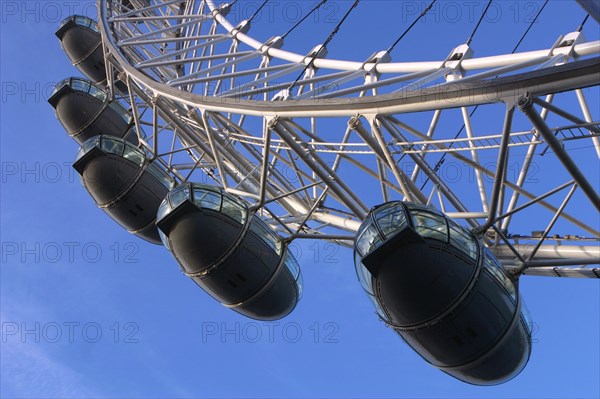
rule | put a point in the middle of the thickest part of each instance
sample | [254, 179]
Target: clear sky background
[88, 310]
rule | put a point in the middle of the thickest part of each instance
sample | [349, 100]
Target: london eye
[199, 134]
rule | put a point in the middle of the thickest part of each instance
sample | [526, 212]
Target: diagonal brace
[526, 105]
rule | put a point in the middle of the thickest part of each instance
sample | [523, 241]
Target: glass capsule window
[390, 218]
[88, 87]
[366, 281]
[134, 155]
[163, 237]
[456, 235]
[112, 146]
[87, 22]
[300, 285]
[236, 207]
[463, 241]
[161, 175]
[428, 222]
[294, 268]
[95, 91]
[378, 307]
[526, 316]
[59, 86]
[81, 21]
[292, 265]
[87, 146]
[207, 199]
[234, 210]
[216, 199]
[180, 194]
[364, 276]
[430, 225]
[83, 86]
[496, 269]
[368, 240]
[121, 111]
[387, 219]
[80, 85]
[173, 199]
[163, 210]
[260, 228]
[420, 207]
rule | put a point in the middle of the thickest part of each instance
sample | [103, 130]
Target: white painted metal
[233, 106]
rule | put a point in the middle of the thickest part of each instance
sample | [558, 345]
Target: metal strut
[526, 105]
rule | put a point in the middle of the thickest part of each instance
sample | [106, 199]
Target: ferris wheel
[187, 120]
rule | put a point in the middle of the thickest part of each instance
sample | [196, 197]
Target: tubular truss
[313, 157]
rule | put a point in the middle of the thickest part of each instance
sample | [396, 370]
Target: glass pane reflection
[369, 240]
[494, 267]
[391, 218]
[260, 228]
[207, 199]
[430, 225]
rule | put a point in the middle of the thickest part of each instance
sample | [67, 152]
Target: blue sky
[88, 310]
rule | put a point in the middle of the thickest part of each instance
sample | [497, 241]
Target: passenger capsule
[124, 183]
[85, 111]
[229, 251]
[443, 293]
[80, 38]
